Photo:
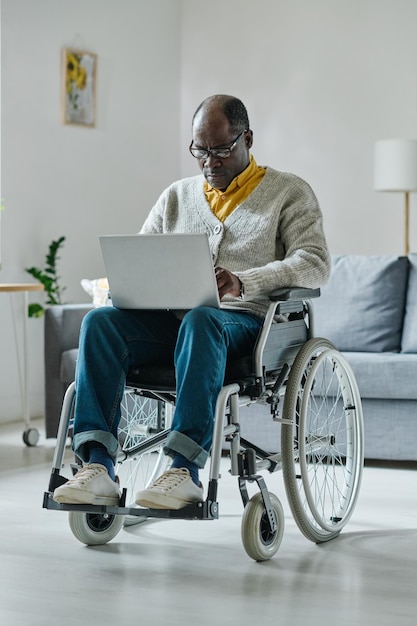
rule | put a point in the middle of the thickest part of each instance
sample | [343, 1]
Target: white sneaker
[90, 485]
[172, 490]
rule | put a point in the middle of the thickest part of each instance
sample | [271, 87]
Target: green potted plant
[49, 279]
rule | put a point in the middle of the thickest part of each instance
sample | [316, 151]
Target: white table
[30, 435]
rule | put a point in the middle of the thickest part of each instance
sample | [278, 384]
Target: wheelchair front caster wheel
[259, 541]
[95, 529]
[31, 437]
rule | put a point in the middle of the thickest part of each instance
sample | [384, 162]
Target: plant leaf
[35, 310]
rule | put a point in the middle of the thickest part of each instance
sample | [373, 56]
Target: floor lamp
[396, 170]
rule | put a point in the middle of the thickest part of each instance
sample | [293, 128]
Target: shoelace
[84, 474]
[171, 478]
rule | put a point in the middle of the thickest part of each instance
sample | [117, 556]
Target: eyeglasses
[217, 153]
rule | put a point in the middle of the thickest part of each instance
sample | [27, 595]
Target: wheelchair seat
[279, 345]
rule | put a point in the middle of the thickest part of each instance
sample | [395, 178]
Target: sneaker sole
[165, 502]
[86, 498]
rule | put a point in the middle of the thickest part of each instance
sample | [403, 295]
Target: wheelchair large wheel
[322, 440]
[94, 529]
[259, 541]
[141, 419]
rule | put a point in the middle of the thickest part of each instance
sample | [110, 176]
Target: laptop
[164, 271]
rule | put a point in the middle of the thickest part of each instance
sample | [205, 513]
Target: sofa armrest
[62, 328]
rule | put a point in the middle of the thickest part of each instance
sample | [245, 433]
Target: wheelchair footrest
[206, 510]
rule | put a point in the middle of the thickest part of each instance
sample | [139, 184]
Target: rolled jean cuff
[178, 442]
[81, 440]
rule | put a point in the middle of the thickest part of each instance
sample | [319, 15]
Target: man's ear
[249, 139]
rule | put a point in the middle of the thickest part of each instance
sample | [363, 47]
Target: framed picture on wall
[79, 70]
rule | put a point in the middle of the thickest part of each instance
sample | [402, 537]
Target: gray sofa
[62, 328]
[368, 309]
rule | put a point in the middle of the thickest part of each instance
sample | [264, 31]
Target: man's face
[211, 131]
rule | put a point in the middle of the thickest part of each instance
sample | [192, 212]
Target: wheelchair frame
[321, 437]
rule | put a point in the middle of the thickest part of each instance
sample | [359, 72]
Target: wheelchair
[308, 387]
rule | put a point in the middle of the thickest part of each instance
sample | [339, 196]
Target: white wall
[322, 80]
[80, 182]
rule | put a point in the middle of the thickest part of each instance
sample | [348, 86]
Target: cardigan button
[217, 229]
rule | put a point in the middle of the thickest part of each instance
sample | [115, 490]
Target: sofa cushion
[388, 375]
[409, 339]
[362, 306]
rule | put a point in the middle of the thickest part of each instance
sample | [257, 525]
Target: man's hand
[227, 283]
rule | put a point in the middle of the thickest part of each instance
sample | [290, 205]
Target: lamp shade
[396, 165]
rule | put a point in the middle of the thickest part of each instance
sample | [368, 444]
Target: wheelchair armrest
[293, 293]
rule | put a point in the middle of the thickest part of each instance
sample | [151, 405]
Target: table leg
[30, 435]
[25, 395]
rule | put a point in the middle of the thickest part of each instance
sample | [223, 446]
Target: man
[265, 232]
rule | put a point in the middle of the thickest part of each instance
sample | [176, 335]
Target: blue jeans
[113, 340]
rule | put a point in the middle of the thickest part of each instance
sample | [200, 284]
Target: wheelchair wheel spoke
[141, 418]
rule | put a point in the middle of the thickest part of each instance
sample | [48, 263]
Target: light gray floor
[197, 573]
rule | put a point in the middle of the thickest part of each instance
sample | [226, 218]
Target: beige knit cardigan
[273, 239]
